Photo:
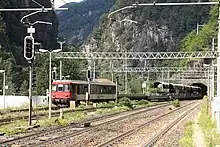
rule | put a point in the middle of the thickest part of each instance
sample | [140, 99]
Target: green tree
[24, 88]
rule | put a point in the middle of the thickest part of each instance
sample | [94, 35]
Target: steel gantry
[154, 69]
[136, 55]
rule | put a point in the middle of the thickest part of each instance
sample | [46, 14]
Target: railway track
[161, 133]
[75, 128]
[117, 140]
[5, 121]
[2, 112]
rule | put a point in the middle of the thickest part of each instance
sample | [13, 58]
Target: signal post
[29, 56]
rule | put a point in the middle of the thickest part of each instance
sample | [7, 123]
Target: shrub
[176, 103]
[126, 102]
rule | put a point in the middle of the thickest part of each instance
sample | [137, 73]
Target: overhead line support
[137, 55]
[31, 9]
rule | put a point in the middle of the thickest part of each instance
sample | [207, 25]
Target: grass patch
[176, 103]
[11, 129]
[68, 118]
[208, 127]
[187, 140]
[142, 102]
[124, 105]
[112, 110]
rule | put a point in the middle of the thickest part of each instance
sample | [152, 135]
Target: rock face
[159, 29]
[77, 23]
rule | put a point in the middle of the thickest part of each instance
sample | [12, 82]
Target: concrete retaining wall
[17, 101]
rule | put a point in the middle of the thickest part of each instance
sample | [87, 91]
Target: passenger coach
[64, 91]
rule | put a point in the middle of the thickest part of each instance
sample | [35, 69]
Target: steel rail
[26, 109]
[130, 132]
[156, 137]
[5, 121]
[42, 133]
[79, 132]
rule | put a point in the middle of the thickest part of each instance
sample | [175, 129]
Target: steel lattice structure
[155, 69]
[136, 55]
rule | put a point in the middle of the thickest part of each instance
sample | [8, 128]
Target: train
[178, 91]
[64, 91]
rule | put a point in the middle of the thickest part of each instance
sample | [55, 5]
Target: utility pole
[60, 69]
[89, 84]
[61, 46]
[93, 70]
[3, 89]
[29, 55]
[126, 76]
[148, 79]
[112, 74]
[50, 91]
[88, 77]
[218, 78]
[30, 94]
[213, 73]
[3, 92]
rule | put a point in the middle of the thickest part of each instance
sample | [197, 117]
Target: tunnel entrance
[202, 86]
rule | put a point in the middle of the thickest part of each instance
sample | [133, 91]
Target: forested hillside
[203, 40]
[12, 33]
[162, 28]
[76, 24]
[159, 28]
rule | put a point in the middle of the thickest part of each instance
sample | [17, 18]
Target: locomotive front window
[60, 87]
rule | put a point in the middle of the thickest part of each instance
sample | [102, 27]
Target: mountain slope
[76, 28]
[12, 33]
[159, 28]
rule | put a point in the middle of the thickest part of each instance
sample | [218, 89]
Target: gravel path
[198, 136]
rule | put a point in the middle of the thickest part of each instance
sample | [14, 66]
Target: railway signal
[53, 76]
[28, 48]
[89, 74]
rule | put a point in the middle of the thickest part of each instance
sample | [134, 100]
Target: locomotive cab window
[60, 87]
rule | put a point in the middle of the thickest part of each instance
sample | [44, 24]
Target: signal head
[28, 48]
